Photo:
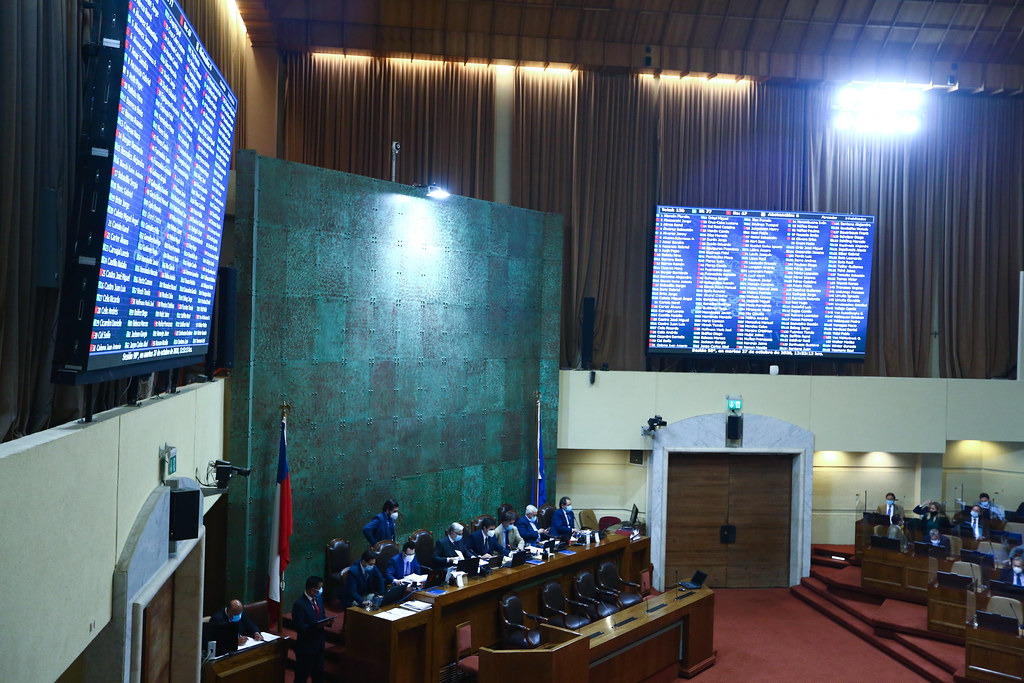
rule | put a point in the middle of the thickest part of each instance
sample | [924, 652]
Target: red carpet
[765, 634]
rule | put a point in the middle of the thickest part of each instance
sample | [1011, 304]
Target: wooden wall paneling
[157, 624]
[759, 507]
[696, 507]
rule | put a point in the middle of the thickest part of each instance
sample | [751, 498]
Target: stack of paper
[416, 605]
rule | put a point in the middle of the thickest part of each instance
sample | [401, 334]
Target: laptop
[519, 558]
[392, 595]
[631, 523]
[696, 581]
[470, 565]
[494, 561]
[436, 577]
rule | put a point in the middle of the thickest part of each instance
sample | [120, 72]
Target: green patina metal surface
[410, 336]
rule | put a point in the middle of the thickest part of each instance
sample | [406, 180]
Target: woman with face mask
[382, 526]
[934, 517]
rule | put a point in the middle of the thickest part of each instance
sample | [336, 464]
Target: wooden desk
[896, 574]
[993, 656]
[679, 635]
[948, 608]
[382, 650]
[561, 658]
[257, 664]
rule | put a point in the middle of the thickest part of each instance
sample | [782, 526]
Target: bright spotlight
[880, 108]
[437, 192]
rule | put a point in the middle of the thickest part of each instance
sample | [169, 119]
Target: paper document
[252, 642]
[416, 605]
[395, 614]
[413, 578]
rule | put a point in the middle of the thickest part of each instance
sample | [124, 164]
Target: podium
[563, 656]
[263, 663]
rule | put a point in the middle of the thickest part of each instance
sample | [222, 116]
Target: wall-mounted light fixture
[437, 192]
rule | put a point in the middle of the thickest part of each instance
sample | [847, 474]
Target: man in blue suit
[484, 543]
[382, 526]
[448, 549]
[529, 526]
[309, 643]
[403, 564]
[563, 522]
[364, 581]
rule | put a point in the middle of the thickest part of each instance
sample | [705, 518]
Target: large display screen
[160, 221]
[760, 283]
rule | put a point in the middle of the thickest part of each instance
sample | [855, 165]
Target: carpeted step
[921, 665]
[823, 561]
[947, 655]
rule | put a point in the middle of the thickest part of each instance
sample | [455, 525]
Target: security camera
[395, 147]
[226, 470]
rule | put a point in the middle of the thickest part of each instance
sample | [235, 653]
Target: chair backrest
[337, 556]
[607, 521]
[477, 520]
[585, 586]
[503, 508]
[551, 597]
[588, 519]
[385, 550]
[1008, 607]
[608, 575]
[424, 541]
[1014, 527]
[544, 515]
[646, 582]
[259, 612]
[881, 530]
[968, 569]
[511, 609]
[956, 544]
[463, 639]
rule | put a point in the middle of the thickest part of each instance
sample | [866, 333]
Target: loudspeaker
[587, 342]
[636, 457]
[734, 428]
[727, 533]
[186, 507]
[221, 352]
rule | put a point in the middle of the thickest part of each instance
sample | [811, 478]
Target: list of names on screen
[168, 188]
[760, 282]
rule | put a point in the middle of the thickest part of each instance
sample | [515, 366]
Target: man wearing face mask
[508, 535]
[234, 617]
[563, 522]
[403, 564]
[307, 611]
[364, 581]
[382, 526]
[452, 548]
[974, 525]
[938, 540]
[529, 526]
[1014, 572]
[890, 508]
[988, 508]
[484, 543]
[933, 516]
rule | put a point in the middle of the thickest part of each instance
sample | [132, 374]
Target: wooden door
[750, 491]
[156, 635]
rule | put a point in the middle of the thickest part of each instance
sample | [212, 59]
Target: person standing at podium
[307, 611]
[529, 526]
[382, 526]
[890, 508]
[563, 522]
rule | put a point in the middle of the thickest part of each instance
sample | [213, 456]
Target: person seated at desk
[508, 535]
[936, 539]
[529, 526]
[1014, 572]
[382, 526]
[364, 581]
[896, 531]
[974, 526]
[563, 522]
[890, 508]
[307, 612]
[451, 548]
[403, 564]
[234, 615]
[933, 516]
[988, 508]
[484, 543]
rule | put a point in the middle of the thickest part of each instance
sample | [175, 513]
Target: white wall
[68, 498]
[602, 481]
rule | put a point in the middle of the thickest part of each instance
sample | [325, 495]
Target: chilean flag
[280, 529]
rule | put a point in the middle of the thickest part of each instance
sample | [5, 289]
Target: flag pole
[536, 456]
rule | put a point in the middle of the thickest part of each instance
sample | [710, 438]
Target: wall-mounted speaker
[727, 533]
[186, 509]
[636, 457]
[734, 428]
[587, 340]
[221, 352]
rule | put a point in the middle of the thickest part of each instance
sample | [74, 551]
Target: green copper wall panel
[410, 336]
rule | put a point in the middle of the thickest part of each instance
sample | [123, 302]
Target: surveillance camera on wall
[395, 147]
[226, 470]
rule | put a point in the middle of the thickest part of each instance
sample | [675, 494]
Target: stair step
[828, 562]
[921, 665]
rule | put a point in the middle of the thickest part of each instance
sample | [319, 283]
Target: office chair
[600, 603]
[503, 508]
[647, 588]
[607, 521]
[587, 519]
[337, 558]
[385, 551]
[608, 578]
[554, 604]
[517, 635]
[967, 569]
[1008, 607]
[544, 515]
[464, 645]
[424, 541]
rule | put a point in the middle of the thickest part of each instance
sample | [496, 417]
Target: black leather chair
[337, 558]
[503, 508]
[544, 515]
[385, 551]
[517, 635]
[600, 603]
[424, 541]
[608, 578]
[555, 608]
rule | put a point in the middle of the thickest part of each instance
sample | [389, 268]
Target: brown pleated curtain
[343, 113]
[40, 107]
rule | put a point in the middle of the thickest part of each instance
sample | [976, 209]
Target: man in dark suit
[364, 581]
[563, 522]
[1013, 573]
[974, 525]
[382, 526]
[451, 548]
[234, 618]
[403, 564]
[529, 526]
[484, 543]
[935, 538]
[310, 637]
